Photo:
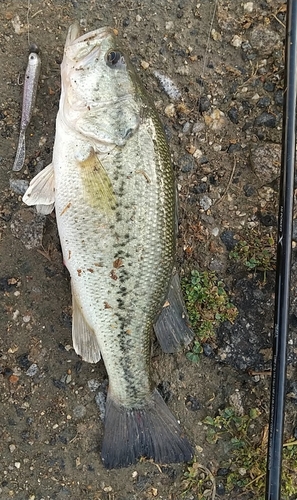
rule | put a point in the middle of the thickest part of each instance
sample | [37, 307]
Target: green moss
[208, 305]
[246, 456]
[256, 252]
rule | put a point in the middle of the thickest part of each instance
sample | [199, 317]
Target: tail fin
[150, 431]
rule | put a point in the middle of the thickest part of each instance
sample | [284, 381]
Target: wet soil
[224, 133]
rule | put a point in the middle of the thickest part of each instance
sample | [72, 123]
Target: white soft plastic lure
[29, 98]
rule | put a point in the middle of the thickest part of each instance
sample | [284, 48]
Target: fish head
[33, 59]
[94, 69]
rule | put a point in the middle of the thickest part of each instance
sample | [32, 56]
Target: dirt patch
[219, 130]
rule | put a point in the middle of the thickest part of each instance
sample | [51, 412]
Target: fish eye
[115, 59]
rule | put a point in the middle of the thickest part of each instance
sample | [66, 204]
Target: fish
[29, 98]
[112, 184]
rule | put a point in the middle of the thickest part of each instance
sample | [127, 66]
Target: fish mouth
[74, 34]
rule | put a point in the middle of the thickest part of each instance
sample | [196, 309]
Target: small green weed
[199, 480]
[257, 252]
[247, 456]
[208, 305]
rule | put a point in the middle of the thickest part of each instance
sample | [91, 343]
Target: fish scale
[113, 188]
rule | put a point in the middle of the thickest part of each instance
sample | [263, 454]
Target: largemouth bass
[114, 193]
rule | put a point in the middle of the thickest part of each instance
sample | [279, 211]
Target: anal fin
[171, 327]
[84, 340]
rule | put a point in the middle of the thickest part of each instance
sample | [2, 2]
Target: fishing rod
[283, 269]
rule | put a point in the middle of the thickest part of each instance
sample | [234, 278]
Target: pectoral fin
[171, 328]
[84, 340]
[41, 191]
[97, 185]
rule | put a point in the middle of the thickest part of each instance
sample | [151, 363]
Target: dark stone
[279, 97]
[294, 234]
[5, 286]
[293, 320]
[208, 350]
[49, 271]
[164, 390]
[269, 86]
[66, 319]
[187, 163]
[264, 102]
[59, 384]
[203, 160]
[247, 106]
[200, 188]
[234, 147]
[267, 220]
[220, 489]
[249, 190]
[203, 103]
[23, 361]
[246, 126]
[168, 133]
[266, 120]
[78, 366]
[7, 372]
[260, 135]
[126, 22]
[192, 403]
[292, 390]
[227, 238]
[233, 115]
[223, 471]
[213, 180]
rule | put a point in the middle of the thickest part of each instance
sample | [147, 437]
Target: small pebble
[18, 186]
[221, 490]
[265, 41]
[144, 64]
[32, 370]
[93, 384]
[12, 448]
[233, 115]
[79, 411]
[17, 464]
[266, 120]
[205, 203]
[279, 97]
[203, 103]
[236, 41]
[249, 190]
[269, 86]
[170, 110]
[228, 239]
[100, 400]
[264, 102]
[187, 163]
[198, 127]
[248, 7]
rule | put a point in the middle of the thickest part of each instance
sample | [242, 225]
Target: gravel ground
[216, 77]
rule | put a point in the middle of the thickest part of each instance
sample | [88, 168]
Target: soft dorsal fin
[171, 328]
